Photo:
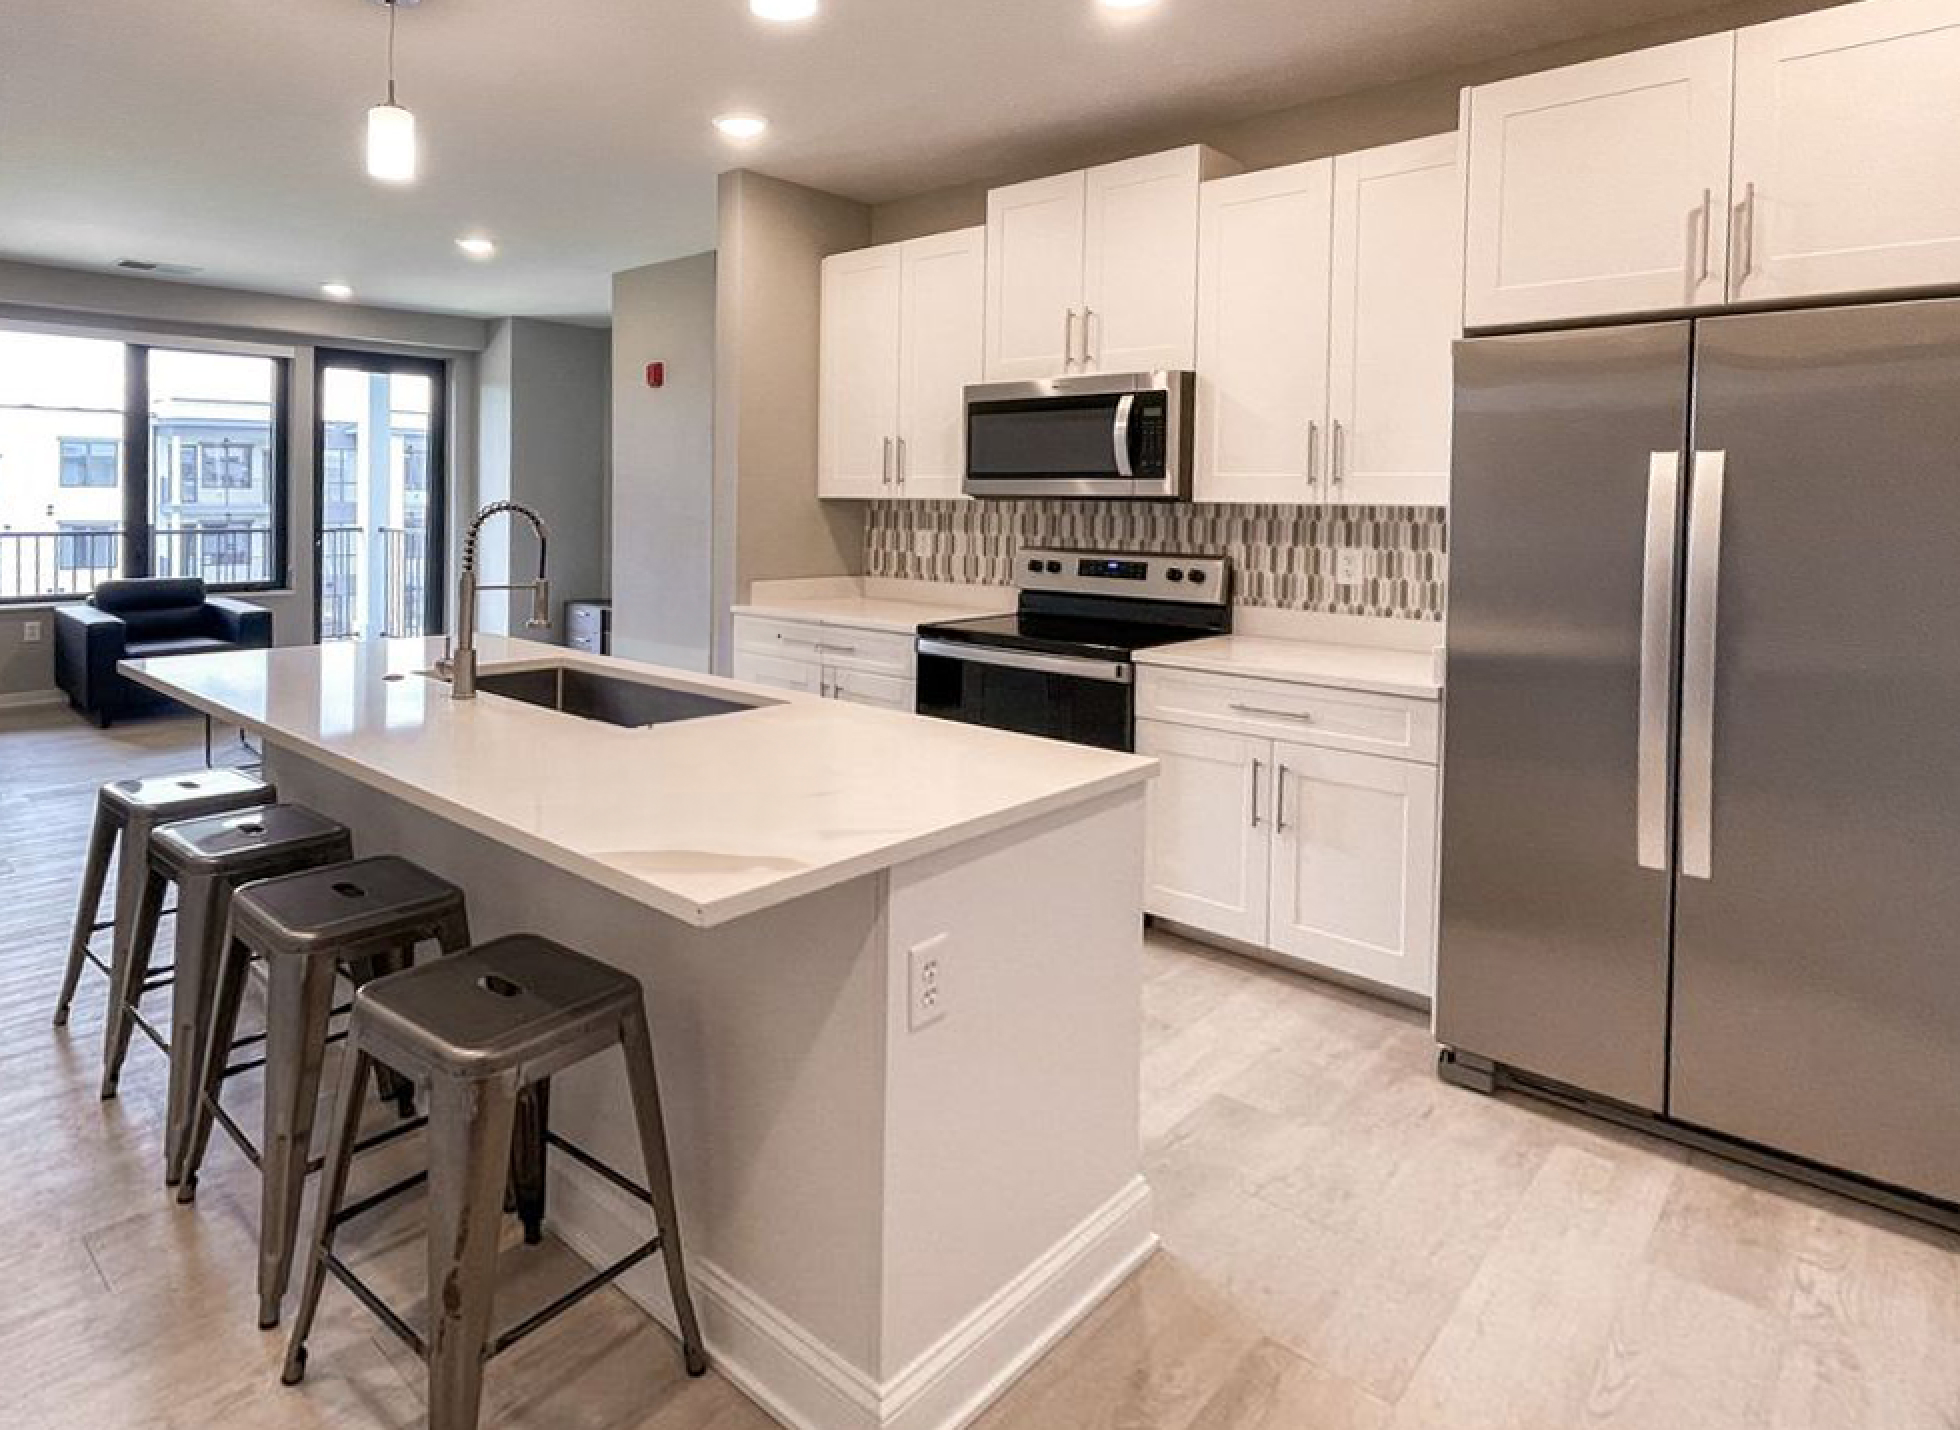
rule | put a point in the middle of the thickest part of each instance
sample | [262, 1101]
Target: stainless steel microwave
[1123, 434]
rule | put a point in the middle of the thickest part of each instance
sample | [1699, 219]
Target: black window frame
[138, 544]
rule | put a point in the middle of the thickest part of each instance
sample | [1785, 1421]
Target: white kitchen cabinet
[1096, 271]
[1208, 857]
[1397, 276]
[1354, 864]
[1847, 151]
[1264, 252]
[900, 342]
[779, 672]
[1297, 843]
[1600, 188]
[864, 667]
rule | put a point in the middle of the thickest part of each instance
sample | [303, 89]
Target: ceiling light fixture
[339, 292]
[782, 11]
[741, 126]
[1126, 4]
[477, 247]
[390, 127]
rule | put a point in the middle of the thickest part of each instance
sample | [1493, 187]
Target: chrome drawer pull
[1276, 714]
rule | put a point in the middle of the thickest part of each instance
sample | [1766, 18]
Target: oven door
[1063, 697]
[1114, 435]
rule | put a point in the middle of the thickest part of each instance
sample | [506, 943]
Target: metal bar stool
[362, 919]
[207, 859]
[480, 1028]
[126, 811]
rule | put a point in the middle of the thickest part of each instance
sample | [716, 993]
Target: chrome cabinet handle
[1313, 452]
[1088, 354]
[1258, 774]
[1656, 646]
[1068, 340]
[837, 649]
[1279, 798]
[901, 461]
[1338, 457]
[1705, 240]
[885, 466]
[1266, 710]
[1745, 219]
[1703, 585]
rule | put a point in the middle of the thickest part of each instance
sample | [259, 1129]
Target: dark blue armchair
[133, 620]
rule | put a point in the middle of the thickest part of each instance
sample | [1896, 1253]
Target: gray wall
[663, 463]
[542, 441]
[772, 237]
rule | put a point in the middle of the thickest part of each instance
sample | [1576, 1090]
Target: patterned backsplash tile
[1281, 555]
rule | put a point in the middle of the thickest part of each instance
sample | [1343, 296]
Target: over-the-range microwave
[1123, 434]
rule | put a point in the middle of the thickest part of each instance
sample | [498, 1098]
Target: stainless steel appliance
[588, 626]
[1701, 837]
[1101, 435]
[1060, 665]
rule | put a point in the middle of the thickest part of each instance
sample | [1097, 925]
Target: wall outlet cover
[30, 632]
[926, 977]
[1350, 566]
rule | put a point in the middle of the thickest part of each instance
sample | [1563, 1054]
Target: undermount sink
[574, 690]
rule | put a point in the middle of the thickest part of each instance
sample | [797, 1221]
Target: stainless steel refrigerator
[1701, 830]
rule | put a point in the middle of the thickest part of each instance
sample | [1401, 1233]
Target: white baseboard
[806, 1385]
[23, 699]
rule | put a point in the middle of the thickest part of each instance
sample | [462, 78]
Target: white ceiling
[226, 134]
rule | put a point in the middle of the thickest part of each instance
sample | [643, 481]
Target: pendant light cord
[393, 8]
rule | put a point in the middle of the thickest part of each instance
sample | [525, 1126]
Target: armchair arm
[87, 645]
[240, 622]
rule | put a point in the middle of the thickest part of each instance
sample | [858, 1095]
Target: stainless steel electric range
[1061, 665]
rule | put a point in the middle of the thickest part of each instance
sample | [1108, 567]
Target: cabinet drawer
[859, 687]
[1306, 714]
[879, 652]
[778, 672]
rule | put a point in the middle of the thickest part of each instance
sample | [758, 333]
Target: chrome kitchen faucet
[459, 667]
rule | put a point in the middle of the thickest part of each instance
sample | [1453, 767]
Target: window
[126, 458]
[415, 462]
[87, 462]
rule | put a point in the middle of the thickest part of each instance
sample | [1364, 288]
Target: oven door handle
[1111, 672]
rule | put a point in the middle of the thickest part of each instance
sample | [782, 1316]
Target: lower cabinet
[1323, 856]
[836, 662]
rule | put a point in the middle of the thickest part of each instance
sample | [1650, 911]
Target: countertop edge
[1167, 658]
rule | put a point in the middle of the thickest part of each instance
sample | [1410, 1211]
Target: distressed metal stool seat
[481, 1028]
[362, 919]
[126, 813]
[207, 859]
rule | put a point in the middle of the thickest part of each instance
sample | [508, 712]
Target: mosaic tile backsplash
[1281, 555]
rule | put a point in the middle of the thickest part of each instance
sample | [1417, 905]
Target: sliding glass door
[379, 507]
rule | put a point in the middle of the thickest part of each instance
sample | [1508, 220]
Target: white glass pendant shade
[391, 144]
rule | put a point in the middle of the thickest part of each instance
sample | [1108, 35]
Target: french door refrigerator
[1701, 834]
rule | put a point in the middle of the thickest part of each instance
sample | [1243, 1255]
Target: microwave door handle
[1121, 434]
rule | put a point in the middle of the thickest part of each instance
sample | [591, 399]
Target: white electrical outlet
[1350, 566]
[30, 632]
[928, 980]
[922, 544]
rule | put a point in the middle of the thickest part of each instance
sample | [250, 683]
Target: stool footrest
[593, 1164]
[365, 1294]
[571, 1298]
[148, 1029]
[374, 1199]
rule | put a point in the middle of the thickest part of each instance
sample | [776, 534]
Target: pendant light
[391, 128]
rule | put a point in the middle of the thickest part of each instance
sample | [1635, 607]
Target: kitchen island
[891, 965]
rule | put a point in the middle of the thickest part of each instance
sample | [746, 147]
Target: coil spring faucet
[459, 668]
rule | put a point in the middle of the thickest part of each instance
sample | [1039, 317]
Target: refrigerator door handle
[1656, 652]
[1698, 664]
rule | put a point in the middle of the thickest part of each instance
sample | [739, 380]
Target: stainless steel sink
[574, 690]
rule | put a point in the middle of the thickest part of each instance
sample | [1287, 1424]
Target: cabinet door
[1847, 150]
[861, 688]
[1034, 277]
[1600, 188]
[1209, 816]
[779, 673]
[1354, 865]
[1140, 264]
[1397, 273]
[857, 411]
[1262, 334]
[945, 280]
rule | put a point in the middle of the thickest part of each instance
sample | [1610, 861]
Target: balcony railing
[396, 558]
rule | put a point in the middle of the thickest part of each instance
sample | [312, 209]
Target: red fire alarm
[656, 374]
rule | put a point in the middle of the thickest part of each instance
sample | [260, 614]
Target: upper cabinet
[900, 343]
[1808, 157]
[1327, 302]
[1096, 271]
[1600, 188]
[1847, 151]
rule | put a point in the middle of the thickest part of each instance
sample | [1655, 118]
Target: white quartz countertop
[1382, 669]
[870, 613]
[705, 820]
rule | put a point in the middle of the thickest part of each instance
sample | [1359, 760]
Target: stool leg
[469, 1152]
[95, 873]
[128, 969]
[333, 1190]
[454, 935]
[637, 1044]
[233, 965]
[300, 1006]
[527, 1153]
[390, 1086]
[201, 904]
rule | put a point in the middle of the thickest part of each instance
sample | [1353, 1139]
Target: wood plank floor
[1348, 1242]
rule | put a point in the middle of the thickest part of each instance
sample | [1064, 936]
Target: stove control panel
[1200, 580]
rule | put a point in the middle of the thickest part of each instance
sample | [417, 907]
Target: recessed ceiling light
[339, 292]
[477, 247]
[741, 126]
[1126, 4]
[782, 10]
